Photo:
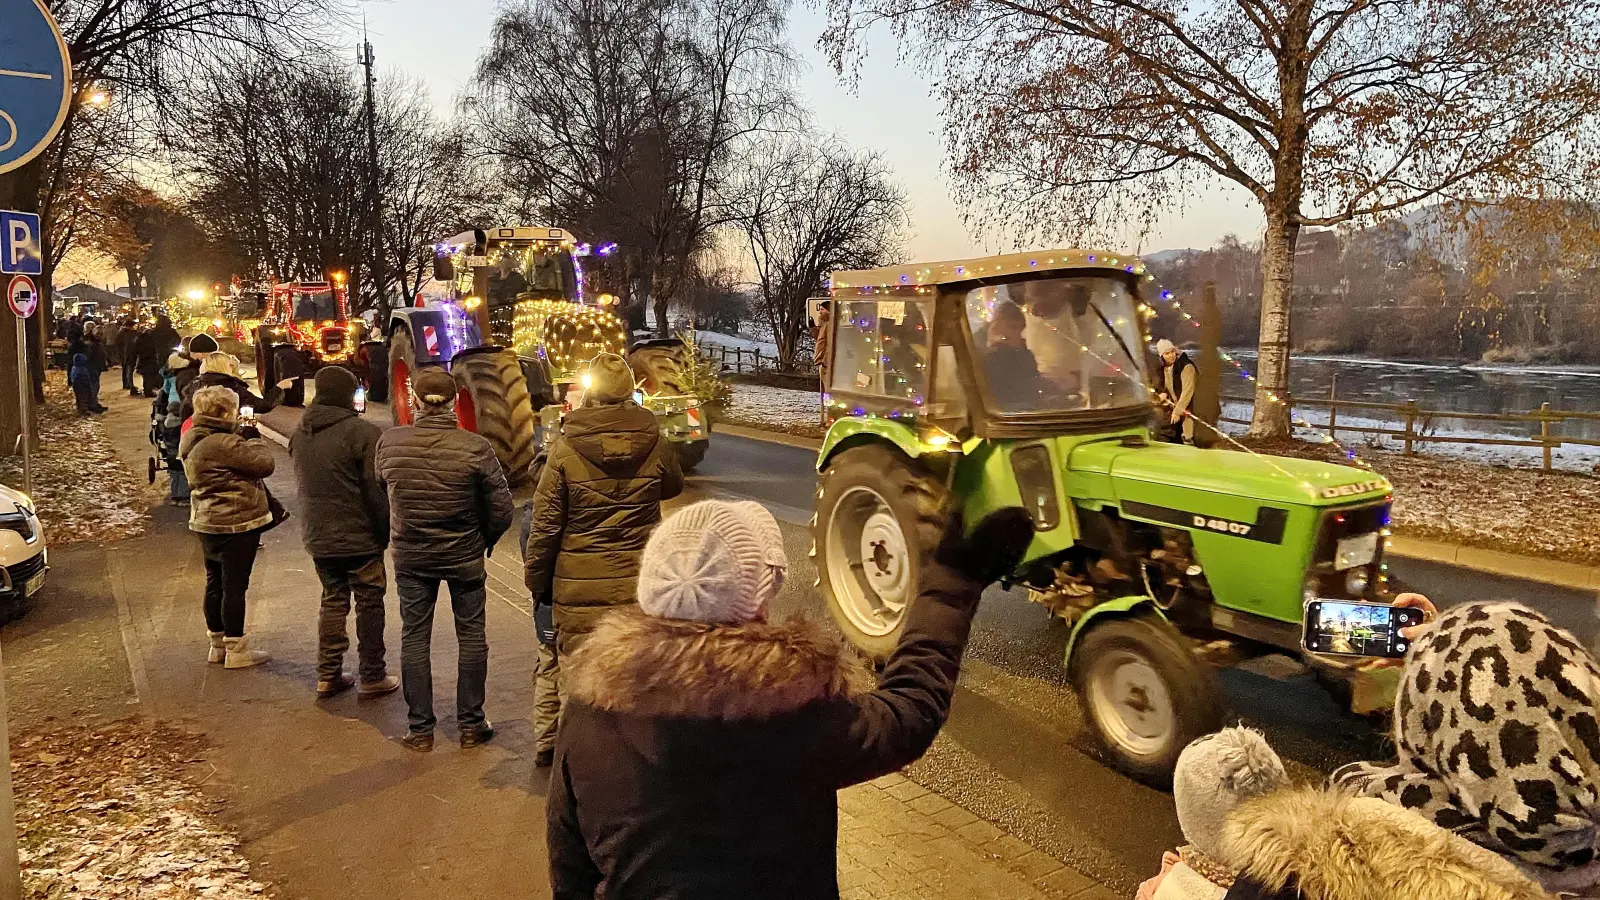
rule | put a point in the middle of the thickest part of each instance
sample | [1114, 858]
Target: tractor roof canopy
[961, 270]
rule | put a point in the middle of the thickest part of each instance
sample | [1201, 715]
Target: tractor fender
[421, 323]
[852, 432]
[1121, 606]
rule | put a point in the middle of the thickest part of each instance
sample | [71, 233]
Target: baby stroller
[165, 430]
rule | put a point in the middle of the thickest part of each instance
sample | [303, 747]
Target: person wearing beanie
[1214, 774]
[1179, 378]
[1497, 736]
[346, 515]
[599, 495]
[448, 507]
[702, 744]
[198, 348]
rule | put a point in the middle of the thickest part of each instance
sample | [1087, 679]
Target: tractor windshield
[315, 305]
[540, 270]
[1059, 344]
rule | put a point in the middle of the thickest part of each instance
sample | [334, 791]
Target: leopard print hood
[1498, 739]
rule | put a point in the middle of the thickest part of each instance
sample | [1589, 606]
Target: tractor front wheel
[1144, 693]
[878, 515]
[691, 454]
[494, 396]
[402, 363]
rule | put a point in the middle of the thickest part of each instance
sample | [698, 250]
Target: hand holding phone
[247, 415]
[1345, 628]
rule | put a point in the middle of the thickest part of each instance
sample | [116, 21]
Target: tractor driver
[506, 283]
[1013, 372]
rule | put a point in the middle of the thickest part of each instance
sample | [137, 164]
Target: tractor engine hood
[1271, 479]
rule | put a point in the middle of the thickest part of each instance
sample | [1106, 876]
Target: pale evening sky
[891, 111]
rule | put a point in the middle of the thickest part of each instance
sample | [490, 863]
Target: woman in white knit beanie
[702, 744]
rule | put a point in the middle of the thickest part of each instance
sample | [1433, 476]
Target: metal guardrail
[1417, 423]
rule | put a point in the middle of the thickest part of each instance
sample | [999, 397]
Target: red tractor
[307, 325]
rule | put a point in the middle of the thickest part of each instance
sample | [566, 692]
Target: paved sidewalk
[327, 803]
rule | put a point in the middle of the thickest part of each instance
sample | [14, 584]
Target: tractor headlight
[1355, 583]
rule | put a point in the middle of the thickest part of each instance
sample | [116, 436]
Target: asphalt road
[1015, 749]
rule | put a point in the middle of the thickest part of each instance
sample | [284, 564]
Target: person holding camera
[226, 463]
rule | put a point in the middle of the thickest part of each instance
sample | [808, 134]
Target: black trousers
[230, 558]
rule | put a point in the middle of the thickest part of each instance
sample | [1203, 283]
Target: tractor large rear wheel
[878, 516]
[402, 363]
[493, 401]
[659, 368]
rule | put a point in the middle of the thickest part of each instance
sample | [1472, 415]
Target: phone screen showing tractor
[1343, 628]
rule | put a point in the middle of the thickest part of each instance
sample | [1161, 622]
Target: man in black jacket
[599, 496]
[346, 515]
[448, 506]
[701, 747]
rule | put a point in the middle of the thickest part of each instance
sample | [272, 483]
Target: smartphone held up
[1343, 628]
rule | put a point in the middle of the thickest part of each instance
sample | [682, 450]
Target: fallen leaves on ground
[106, 812]
[1554, 515]
[83, 490]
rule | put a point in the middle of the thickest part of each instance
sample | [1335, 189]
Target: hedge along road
[1015, 749]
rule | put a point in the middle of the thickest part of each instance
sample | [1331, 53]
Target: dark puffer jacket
[599, 497]
[448, 500]
[239, 386]
[225, 471]
[699, 761]
[344, 508]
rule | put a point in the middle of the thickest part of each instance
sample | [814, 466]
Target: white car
[23, 556]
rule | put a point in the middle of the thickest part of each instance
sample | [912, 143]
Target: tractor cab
[303, 326]
[1023, 381]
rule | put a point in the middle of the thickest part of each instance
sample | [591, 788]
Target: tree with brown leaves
[1090, 117]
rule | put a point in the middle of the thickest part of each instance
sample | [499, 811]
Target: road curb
[272, 435]
[770, 437]
[1493, 562]
[1496, 562]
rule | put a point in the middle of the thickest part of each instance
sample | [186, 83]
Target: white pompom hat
[715, 562]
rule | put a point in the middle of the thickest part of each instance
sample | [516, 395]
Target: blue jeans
[418, 595]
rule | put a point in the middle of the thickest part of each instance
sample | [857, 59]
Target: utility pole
[375, 206]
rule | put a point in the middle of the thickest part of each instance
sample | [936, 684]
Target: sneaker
[422, 743]
[544, 759]
[472, 736]
[385, 685]
[326, 689]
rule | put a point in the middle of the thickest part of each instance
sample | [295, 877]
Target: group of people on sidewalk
[696, 745]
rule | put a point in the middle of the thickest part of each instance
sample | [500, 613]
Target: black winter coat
[598, 499]
[154, 346]
[448, 499]
[699, 761]
[239, 386]
[344, 508]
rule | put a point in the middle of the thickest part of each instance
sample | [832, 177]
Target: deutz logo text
[1360, 487]
[1222, 525]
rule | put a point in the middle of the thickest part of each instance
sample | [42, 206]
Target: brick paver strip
[897, 841]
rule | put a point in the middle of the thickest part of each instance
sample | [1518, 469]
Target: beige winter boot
[218, 650]
[240, 656]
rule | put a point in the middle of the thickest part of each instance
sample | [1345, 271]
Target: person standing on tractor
[346, 531]
[1178, 379]
[598, 499]
[449, 505]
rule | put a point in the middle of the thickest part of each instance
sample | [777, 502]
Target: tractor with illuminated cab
[516, 330]
[304, 326]
[1022, 381]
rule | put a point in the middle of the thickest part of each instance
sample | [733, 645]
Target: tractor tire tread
[505, 415]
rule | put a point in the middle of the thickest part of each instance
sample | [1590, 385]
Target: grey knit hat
[608, 379]
[713, 561]
[1216, 773]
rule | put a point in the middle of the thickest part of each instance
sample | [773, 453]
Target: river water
[1475, 388]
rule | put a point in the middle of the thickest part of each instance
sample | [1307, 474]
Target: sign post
[23, 298]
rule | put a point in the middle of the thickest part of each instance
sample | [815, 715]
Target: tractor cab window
[881, 347]
[543, 271]
[315, 305]
[1058, 344]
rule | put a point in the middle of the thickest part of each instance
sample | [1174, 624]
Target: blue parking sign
[20, 252]
[35, 81]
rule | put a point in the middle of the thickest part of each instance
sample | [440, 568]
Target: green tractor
[1022, 380]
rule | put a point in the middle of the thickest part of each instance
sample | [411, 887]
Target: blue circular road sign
[35, 81]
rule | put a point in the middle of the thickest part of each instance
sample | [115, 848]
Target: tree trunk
[1271, 418]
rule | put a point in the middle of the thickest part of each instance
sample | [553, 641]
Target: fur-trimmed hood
[672, 668]
[1338, 847]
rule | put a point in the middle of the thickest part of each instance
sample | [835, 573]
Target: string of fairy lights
[565, 334]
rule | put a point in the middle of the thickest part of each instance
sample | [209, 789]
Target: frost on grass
[84, 492]
[775, 409]
[107, 812]
[1523, 511]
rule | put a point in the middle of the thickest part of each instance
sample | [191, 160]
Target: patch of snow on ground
[786, 408]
